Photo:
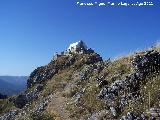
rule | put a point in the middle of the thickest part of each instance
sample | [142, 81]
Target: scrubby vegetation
[83, 86]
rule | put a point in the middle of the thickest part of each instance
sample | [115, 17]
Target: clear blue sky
[31, 31]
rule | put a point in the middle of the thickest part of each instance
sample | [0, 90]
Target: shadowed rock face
[24, 98]
[20, 101]
[148, 63]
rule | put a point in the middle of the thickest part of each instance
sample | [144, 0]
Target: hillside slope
[78, 85]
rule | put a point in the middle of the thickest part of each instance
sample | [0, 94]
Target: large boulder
[20, 101]
[28, 96]
[25, 98]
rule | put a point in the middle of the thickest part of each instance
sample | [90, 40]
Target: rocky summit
[78, 84]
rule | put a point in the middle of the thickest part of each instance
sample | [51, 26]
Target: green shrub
[41, 116]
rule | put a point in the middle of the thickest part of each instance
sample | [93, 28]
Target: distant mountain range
[11, 85]
[3, 96]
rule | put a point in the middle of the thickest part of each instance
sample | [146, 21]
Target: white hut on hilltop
[79, 47]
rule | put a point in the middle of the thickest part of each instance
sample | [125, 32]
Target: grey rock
[113, 111]
[155, 112]
[20, 101]
[99, 115]
[9, 116]
[133, 116]
[149, 62]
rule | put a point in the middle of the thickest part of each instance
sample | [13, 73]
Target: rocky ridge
[78, 84]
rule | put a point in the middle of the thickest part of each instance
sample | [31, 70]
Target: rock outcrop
[42, 74]
[62, 61]
[78, 84]
[9, 115]
[144, 65]
[147, 63]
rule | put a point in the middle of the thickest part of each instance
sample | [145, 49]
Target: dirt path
[57, 106]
